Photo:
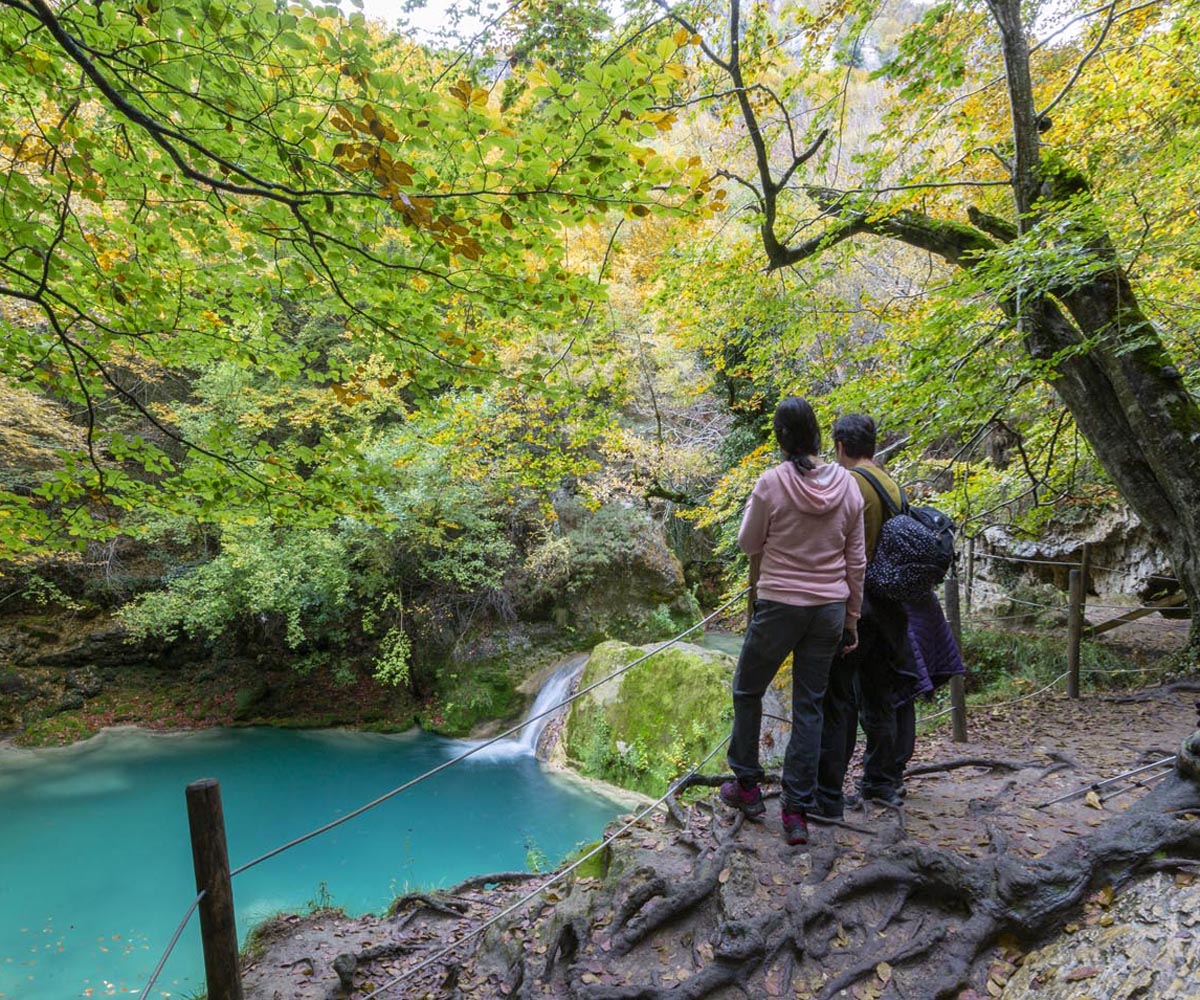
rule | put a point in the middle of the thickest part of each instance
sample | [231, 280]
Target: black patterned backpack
[915, 549]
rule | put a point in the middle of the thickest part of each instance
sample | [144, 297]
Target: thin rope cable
[1034, 604]
[999, 704]
[1135, 607]
[1121, 670]
[936, 715]
[1023, 616]
[1066, 564]
[480, 746]
[171, 946]
[1024, 697]
[558, 876]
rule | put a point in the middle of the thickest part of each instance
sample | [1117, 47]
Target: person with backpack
[861, 683]
[803, 531]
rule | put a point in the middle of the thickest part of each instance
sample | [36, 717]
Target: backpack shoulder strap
[888, 503]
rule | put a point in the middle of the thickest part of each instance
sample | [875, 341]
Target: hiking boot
[795, 826]
[883, 796]
[748, 800]
[827, 810]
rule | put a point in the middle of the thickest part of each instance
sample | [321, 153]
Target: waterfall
[523, 743]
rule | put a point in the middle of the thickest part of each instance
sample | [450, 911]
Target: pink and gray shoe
[795, 826]
[748, 800]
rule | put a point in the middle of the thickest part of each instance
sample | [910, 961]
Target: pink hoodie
[809, 530]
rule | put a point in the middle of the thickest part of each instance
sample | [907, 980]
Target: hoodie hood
[818, 491]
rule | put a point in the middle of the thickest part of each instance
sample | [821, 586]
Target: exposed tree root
[988, 762]
[1154, 693]
[904, 902]
[715, 780]
[479, 881]
[406, 906]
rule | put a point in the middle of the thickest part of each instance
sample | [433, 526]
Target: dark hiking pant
[860, 691]
[811, 634]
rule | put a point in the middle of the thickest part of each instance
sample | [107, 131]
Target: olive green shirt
[873, 511]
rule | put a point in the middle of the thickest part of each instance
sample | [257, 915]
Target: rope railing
[1121, 670]
[553, 880]
[170, 947]
[1064, 563]
[974, 619]
[997, 557]
[992, 706]
[433, 771]
[1091, 606]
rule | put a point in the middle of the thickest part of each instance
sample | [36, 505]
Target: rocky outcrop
[1125, 559]
[1142, 943]
[648, 725]
[607, 573]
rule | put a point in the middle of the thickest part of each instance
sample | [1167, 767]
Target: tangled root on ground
[911, 918]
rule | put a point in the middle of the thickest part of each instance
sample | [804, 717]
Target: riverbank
[54, 706]
[65, 677]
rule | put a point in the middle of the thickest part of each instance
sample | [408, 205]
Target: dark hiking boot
[748, 800]
[883, 796]
[795, 826]
[828, 810]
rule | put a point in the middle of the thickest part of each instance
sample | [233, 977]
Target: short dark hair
[797, 431]
[855, 432]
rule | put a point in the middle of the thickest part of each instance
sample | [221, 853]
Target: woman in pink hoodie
[803, 531]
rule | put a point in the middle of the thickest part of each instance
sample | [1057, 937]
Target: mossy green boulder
[655, 721]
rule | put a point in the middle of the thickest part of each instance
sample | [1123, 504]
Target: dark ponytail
[797, 432]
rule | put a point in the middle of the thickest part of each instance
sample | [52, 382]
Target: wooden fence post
[210, 858]
[968, 597]
[1074, 631]
[958, 691]
[1085, 570]
[755, 566]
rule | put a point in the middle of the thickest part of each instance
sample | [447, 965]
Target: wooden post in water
[210, 858]
[1074, 631]
[958, 690]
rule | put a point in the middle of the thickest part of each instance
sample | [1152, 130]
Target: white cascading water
[523, 743]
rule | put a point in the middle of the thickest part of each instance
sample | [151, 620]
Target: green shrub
[296, 581]
[467, 698]
[997, 657]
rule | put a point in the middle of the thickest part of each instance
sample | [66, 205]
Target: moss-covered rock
[653, 722]
[609, 573]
